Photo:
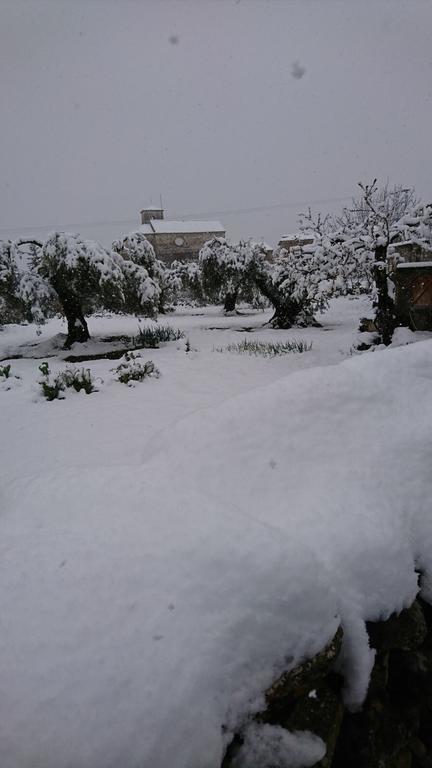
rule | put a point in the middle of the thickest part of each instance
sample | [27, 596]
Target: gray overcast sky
[218, 105]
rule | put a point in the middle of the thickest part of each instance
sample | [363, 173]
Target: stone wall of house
[394, 727]
[295, 242]
[168, 250]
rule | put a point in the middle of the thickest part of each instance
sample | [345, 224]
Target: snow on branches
[227, 270]
[416, 226]
[76, 276]
[146, 286]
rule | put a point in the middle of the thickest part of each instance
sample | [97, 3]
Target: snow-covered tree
[77, 276]
[391, 202]
[298, 284]
[371, 227]
[359, 242]
[226, 271]
[348, 261]
[135, 248]
[12, 308]
[184, 278]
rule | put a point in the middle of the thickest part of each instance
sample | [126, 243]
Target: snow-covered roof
[414, 264]
[162, 226]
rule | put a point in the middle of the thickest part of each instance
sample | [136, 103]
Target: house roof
[162, 226]
[415, 265]
[297, 236]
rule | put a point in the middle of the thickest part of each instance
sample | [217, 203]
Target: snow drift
[146, 607]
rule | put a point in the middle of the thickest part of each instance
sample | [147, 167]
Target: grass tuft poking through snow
[151, 337]
[267, 348]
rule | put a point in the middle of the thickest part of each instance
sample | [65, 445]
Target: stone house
[294, 241]
[174, 240]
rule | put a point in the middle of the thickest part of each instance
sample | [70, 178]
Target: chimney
[152, 212]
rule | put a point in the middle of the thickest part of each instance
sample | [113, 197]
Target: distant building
[180, 240]
[294, 241]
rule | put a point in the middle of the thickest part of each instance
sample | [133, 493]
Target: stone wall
[394, 727]
[168, 250]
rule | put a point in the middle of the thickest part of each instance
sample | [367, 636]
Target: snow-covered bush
[133, 368]
[71, 378]
[5, 371]
[8, 380]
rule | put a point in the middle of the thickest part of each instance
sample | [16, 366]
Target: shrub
[79, 379]
[268, 348]
[134, 369]
[152, 336]
[70, 378]
[7, 379]
[5, 371]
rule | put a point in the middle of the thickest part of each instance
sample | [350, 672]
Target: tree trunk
[385, 319]
[77, 326]
[286, 310]
[77, 330]
[230, 301]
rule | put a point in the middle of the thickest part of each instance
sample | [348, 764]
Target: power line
[200, 215]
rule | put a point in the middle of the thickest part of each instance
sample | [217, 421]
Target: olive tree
[79, 276]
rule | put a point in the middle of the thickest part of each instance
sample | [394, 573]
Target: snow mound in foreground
[146, 608]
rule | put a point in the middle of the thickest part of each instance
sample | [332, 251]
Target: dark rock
[321, 712]
[410, 673]
[375, 737]
[427, 613]
[405, 631]
[421, 758]
[402, 760]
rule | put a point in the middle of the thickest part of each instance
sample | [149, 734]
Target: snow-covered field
[167, 550]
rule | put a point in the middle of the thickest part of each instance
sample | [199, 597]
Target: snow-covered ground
[167, 550]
